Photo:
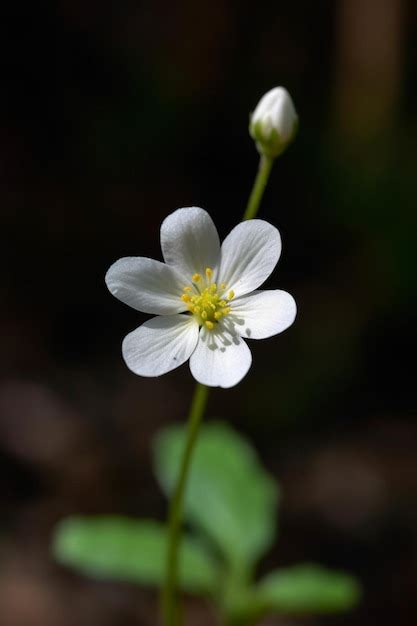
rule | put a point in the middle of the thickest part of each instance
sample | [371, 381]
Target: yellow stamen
[206, 301]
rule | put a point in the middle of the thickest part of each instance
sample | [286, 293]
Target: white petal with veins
[189, 241]
[263, 314]
[249, 254]
[160, 345]
[146, 285]
[220, 358]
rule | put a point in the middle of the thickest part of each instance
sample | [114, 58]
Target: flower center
[207, 302]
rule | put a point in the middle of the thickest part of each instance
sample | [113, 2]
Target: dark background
[112, 115]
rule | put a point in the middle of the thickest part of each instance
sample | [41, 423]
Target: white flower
[274, 122]
[204, 297]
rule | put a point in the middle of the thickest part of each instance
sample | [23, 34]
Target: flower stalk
[171, 609]
[170, 605]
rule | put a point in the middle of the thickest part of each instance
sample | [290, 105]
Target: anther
[207, 301]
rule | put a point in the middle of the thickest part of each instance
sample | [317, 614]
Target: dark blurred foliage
[113, 114]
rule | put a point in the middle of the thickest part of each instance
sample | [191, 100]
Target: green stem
[171, 612]
[170, 607]
[252, 208]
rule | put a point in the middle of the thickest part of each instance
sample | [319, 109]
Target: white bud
[274, 122]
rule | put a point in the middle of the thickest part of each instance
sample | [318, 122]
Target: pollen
[205, 300]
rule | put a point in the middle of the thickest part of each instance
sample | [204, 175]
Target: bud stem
[264, 170]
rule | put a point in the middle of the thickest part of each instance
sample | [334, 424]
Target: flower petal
[160, 345]
[146, 285]
[249, 254]
[220, 358]
[189, 241]
[262, 314]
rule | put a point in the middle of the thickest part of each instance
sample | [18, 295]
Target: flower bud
[274, 122]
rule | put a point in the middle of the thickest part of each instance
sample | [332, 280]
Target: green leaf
[229, 495]
[308, 588]
[129, 550]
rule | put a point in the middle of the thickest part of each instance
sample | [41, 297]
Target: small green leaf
[129, 550]
[308, 588]
[229, 495]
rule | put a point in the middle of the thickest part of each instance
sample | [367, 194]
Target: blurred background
[113, 114]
